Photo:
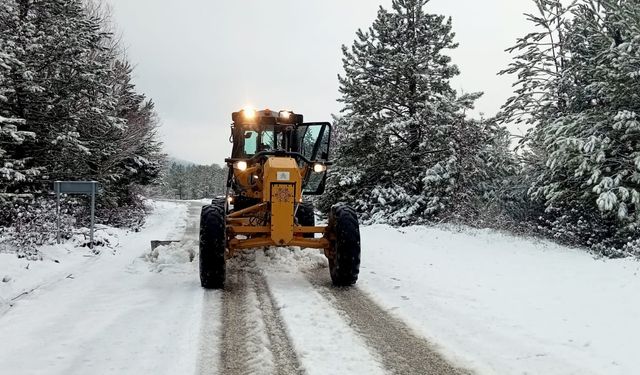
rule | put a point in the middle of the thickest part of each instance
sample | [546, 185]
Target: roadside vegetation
[408, 152]
[407, 149]
[191, 181]
[68, 111]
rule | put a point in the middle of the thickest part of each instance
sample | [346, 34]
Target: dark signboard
[77, 187]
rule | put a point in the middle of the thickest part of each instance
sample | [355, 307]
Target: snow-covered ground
[488, 302]
[121, 312]
[492, 303]
[507, 305]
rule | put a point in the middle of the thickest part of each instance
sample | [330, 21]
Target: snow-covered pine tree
[405, 141]
[15, 167]
[74, 92]
[66, 89]
[130, 153]
[193, 181]
[539, 97]
[590, 140]
[59, 87]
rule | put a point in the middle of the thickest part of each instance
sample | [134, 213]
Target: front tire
[344, 262]
[212, 247]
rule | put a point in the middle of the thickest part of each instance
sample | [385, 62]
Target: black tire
[218, 202]
[344, 264]
[306, 216]
[212, 247]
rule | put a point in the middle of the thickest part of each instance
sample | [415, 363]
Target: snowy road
[285, 318]
[444, 302]
[127, 313]
[114, 314]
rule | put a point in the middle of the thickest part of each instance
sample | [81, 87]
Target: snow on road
[429, 300]
[507, 305]
[114, 313]
[323, 340]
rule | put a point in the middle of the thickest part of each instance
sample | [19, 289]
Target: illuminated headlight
[319, 168]
[240, 165]
[285, 115]
[230, 199]
[249, 113]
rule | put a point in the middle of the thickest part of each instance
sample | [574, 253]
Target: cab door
[312, 140]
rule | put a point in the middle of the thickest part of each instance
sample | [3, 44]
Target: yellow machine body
[278, 184]
[282, 188]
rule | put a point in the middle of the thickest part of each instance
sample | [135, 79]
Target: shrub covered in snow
[28, 222]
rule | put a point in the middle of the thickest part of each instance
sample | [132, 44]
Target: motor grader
[277, 162]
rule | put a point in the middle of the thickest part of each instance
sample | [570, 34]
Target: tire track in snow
[323, 339]
[253, 338]
[235, 333]
[400, 350]
[210, 326]
[285, 358]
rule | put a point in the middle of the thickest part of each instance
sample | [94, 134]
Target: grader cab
[277, 162]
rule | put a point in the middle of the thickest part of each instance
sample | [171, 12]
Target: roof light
[285, 115]
[249, 113]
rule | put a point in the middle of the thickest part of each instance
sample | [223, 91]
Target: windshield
[267, 139]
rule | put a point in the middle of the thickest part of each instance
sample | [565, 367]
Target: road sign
[77, 187]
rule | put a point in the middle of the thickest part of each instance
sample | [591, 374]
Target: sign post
[76, 187]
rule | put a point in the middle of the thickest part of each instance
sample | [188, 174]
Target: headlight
[240, 165]
[319, 168]
[285, 115]
[249, 113]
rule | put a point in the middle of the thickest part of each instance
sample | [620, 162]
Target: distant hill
[186, 163]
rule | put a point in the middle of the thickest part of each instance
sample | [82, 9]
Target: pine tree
[128, 154]
[15, 167]
[587, 130]
[404, 134]
[58, 87]
[193, 181]
[68, 83]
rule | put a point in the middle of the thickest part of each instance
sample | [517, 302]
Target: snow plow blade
[156, 243]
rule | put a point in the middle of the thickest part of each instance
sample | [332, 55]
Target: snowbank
[107, 313]
[174, 255]
[21, 276]
[504, 304]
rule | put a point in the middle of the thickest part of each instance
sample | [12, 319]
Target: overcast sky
[200, 60]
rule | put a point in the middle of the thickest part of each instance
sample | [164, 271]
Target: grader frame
[277, 160]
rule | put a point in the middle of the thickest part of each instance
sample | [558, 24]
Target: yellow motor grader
[277, 161]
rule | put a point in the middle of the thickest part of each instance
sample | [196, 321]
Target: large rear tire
[344, 262]
[212, 247]
[306, 216]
